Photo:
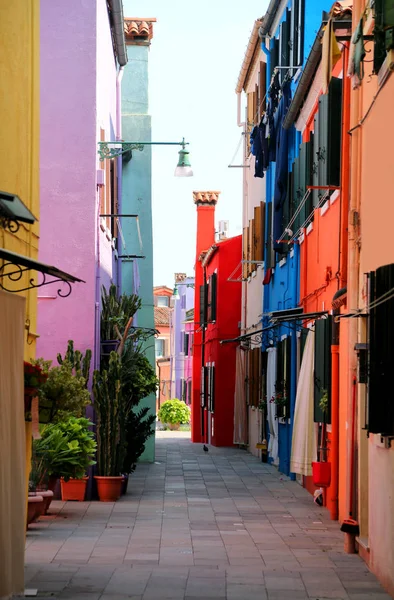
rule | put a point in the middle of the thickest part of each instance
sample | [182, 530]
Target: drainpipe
[119, 78]
[335, 407]
[353, 268]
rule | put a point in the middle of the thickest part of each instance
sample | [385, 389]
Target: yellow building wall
[19, 147]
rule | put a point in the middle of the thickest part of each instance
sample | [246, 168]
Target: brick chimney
[205, 202]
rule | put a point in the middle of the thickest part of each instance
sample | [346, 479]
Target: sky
[194, 62]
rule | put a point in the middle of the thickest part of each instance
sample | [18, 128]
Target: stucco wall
[137, 199]
[77, 95]
[376, 210]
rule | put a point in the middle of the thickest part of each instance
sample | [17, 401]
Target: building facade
[79, 192]
[217, 306]
[182, 337]
[136, 255]
[163, 311]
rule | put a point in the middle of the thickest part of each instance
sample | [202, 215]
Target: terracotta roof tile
[162, 315]
[206, 197]
[137, 29]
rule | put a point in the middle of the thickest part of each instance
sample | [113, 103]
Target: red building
[217, 310]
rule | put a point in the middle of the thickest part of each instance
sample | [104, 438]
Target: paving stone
[221, 526]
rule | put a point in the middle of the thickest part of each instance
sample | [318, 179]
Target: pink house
[80, 106]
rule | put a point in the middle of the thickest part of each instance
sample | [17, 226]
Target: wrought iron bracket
[8, 223]
[17, 274]
[115, 149]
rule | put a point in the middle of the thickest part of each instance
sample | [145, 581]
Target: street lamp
[113, 149]
[175, 293]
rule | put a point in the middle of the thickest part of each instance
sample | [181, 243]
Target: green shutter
[268, 242]
[334, 131]
[322, 155]
[322, 371]
[213, 294]
[309, 175]
[302, 181]
[203, 305]
[315, 162]
[296, 193]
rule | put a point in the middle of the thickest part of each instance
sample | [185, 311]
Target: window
[203, 388]
[186, 344]
[189, 392]
[159, 347]
[211, 387]
[297, 32]
[183, 390]
[381, 352]
[283, 378]
[322, 374]
[254, 376]
[203, 305]
[383, 31]
[163, 301]
[212, 298]
[113, 191]
[183, 301]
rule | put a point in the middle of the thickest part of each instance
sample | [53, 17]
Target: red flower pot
[109, 488]
[321, 474]
[74, 489]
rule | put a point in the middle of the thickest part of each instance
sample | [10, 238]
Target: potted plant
[116, 313]
[174, 413]
[34, 377]
[321, 470]
[281, 401]
[68, 449]
[111, 443]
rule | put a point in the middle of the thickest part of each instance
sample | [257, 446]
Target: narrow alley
[194, 525]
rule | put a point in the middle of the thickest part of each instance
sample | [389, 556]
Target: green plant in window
[323, 404]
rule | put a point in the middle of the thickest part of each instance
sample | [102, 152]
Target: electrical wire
[297, 212]
[310, 218]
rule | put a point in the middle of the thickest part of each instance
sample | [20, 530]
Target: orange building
[162, 313]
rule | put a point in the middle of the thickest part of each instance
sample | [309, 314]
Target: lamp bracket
[114, 148]
[16, 274]
[8, 223]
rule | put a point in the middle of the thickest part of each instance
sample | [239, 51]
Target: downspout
[353, 273]
[335, 407]
[119, 78]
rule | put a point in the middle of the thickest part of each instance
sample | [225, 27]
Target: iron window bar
[16, 265]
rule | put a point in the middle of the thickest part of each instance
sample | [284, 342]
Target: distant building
[182, 337]
[162, 312]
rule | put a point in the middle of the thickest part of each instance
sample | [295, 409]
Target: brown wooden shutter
[258, 240]
[245, 241]
[262, 218]
[251, 248]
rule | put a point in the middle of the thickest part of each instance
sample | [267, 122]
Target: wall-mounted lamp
[175, 293]
[118, 148]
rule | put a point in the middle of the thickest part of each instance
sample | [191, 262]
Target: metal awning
[283, 318]
[15, 265]
[13, 210]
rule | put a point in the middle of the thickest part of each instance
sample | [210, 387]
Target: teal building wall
[136, 275]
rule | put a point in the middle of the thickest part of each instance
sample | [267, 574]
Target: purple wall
[181, 306]
[78, 96]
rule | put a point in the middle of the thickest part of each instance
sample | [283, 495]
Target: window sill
[309, 229]
[334, 197]
[301, 238]
[282, 262]
[291, 253]
[325, 208]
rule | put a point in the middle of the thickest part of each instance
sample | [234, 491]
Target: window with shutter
[383, 31]
[302, 182]
[274, 56]
[315, 162]
[251, 249]
[186, 344]
[322, 373]
[189, 392]
[329, 152]
[212, 294]
[203, 305]
[284, 44]
[211, 388]
[297, 32]
[296, 193]
[203, 387]
[381, 352]
[245, 243]
[262, 88]
[258, 233]
[269, 250]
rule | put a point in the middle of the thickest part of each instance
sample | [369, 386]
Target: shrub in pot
[116, 313]
[111, 443]
[68, 449]
[174, 413]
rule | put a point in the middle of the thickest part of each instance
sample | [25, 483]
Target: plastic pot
[109, 488]
[321, 474]
[74, 489]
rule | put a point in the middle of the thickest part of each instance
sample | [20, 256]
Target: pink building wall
[78, 97]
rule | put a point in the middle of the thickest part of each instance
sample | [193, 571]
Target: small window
[183, 301]
[212, 293]
[383, 31]
[186, 344]
[159, 347]
[189, 392]
[163, 301]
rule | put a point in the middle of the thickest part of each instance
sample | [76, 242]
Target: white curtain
[240, 410]
[12, 445]
[303, 447]
[271, 407]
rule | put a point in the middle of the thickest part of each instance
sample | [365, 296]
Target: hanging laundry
[356, 57]
[257, 151]
[331, 54]
[282, 165]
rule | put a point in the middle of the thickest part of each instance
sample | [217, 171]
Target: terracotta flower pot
[48, 496]
[174, 426]
[74, 489]
[109, 488]
[321, 474]
[35, 507]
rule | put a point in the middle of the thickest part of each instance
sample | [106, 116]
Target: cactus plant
[79, 362]
[109, 406]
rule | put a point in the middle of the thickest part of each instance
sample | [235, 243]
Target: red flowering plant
[35, 377]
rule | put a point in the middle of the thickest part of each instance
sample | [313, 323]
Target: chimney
[205, 202]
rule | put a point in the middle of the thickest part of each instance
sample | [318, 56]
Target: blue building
[286, 41]
[136, 240]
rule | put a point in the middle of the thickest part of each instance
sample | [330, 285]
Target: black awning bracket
[16, 265]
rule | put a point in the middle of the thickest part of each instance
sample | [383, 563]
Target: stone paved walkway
[196, 526]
